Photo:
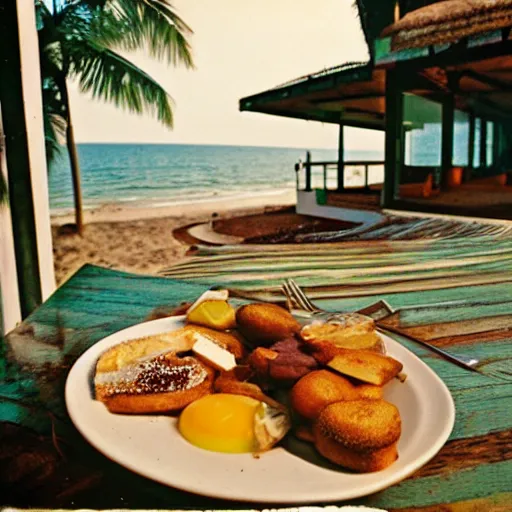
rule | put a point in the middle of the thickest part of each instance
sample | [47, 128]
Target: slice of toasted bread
[131, 351]
[147, 375]
[351, 330]
[366, 366]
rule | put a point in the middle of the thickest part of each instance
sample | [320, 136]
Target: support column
[483, 144]
[341, 158]
[394, 142]
[447, 139]
[471, 146]
[308, 169]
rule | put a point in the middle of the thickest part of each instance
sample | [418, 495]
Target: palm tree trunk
[75, 170]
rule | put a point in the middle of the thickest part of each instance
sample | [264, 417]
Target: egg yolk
[220, 423]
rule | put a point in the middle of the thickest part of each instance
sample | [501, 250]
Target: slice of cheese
[213, 354]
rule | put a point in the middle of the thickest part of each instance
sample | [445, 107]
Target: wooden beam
[18, 161]
[487, 80]
[325, 117]
[421, 80]
[394, 138]
[341, 158]
[349, 97]
[447, 138]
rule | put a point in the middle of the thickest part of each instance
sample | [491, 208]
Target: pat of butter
[219, 357]
[209, 295]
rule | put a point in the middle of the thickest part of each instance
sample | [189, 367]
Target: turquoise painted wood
[96, 302]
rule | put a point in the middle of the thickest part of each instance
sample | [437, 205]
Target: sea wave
[174, 174]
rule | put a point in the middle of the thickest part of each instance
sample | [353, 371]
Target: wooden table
[44, 461]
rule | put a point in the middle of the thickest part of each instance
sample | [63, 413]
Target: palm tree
[80, 40]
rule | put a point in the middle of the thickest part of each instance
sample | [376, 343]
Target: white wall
[31, 79]
[8, 280]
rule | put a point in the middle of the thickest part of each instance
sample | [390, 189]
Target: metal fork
[295, 295]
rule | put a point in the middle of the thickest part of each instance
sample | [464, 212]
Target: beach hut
[439, 84]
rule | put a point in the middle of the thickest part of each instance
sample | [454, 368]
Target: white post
[9, 298]
[31, 79]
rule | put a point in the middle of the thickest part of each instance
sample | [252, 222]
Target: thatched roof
[448, 21]
[375, 15]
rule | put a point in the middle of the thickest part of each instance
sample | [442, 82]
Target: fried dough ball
[318, 389]
[360, 434]
[264, 324]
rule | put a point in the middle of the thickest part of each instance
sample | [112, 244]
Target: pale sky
[240, 47]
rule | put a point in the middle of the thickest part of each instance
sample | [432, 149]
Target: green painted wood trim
[478, 47]
[385, 55]
[321, 196]
[21, 201]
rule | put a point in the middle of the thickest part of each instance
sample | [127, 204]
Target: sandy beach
[140, 239]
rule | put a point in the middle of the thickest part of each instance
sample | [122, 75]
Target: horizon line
[334, 148]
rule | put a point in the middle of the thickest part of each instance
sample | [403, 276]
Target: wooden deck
[469, 200]
[360, 201]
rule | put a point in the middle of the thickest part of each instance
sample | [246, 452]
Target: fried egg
[232, 424]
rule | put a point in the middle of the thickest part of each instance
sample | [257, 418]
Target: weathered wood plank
[444, 329]
[471, 452]
[498, 292]
[475, 483]
[451, 312]
[496, 503]
[469, 339]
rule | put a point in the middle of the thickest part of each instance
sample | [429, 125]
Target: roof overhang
[476, 71]
[352, 95]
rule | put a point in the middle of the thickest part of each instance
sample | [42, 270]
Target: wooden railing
[331, 175]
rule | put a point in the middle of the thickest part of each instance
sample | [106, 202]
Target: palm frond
[109, 76]
[153, 23]
[54, 132]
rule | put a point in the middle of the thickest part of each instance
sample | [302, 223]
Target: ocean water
[170, 174]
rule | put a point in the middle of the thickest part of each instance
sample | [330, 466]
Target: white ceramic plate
[152, 446]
